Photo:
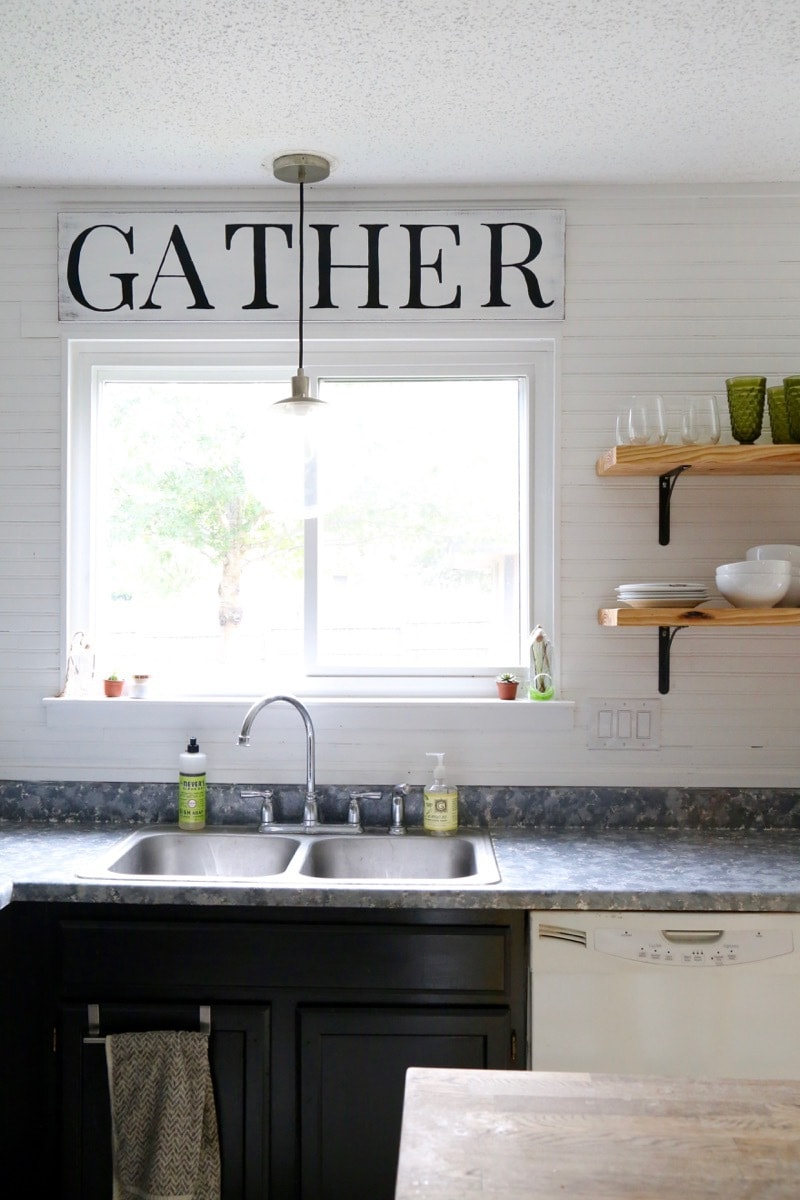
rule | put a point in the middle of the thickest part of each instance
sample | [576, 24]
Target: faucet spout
[310, 815]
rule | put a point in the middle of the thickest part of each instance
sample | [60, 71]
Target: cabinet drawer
[140, 959]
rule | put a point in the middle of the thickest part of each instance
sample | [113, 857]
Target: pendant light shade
[300, 403]
[300, 169]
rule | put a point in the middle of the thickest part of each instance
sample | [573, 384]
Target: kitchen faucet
[310, 812]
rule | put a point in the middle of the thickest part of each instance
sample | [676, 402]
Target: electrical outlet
[624, 724]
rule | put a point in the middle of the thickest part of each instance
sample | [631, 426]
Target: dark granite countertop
[654, 870]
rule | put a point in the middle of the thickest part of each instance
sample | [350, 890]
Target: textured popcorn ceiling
[399, 92]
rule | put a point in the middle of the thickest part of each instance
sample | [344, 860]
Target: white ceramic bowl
[749, 590]
[761, 568]
[777, 550]
[792, 597]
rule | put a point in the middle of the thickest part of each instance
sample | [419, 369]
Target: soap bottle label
[440, 811]
[191, 801]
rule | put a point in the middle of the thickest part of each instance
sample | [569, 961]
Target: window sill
[557, 716]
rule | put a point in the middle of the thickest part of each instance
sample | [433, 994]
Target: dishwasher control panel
[694, 947]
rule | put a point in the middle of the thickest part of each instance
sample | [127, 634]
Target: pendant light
[300, 169]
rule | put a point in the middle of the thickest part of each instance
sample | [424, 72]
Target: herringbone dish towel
[163, 1118]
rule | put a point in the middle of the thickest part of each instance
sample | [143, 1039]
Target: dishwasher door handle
[694, 937]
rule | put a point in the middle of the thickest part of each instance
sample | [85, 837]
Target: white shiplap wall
[669, 291]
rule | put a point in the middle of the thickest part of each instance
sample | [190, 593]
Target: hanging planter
[507, 685]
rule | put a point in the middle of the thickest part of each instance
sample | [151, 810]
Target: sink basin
[201, 854]
[461, 858]
[304, 860]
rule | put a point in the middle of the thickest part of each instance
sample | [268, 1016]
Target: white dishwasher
[715, 994]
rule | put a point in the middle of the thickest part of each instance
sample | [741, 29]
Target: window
[222, 550]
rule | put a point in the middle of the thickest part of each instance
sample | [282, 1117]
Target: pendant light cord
[300, 286]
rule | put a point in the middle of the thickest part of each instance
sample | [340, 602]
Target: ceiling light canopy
[300, 169]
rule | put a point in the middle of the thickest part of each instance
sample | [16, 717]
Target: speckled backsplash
[532, 808]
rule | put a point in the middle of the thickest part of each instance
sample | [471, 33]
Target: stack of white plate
[662, 595]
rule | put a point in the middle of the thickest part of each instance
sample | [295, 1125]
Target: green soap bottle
[192, 788]
[439, 801]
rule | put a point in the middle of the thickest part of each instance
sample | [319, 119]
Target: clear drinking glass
[647, 423]
[623, 434]
[700, 421]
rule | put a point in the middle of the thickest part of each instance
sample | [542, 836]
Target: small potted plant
[507, 685]
[139, 686]
[113, 685]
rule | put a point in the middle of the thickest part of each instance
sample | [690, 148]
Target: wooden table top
[542, 1135]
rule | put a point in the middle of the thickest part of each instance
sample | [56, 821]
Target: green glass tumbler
[791, 389]
[779, 414]
[746, 396]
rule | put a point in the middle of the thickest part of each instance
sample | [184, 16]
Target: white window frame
[90, 359]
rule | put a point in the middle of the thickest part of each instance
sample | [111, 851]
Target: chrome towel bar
[94, 1037]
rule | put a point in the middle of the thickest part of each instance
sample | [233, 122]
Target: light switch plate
[617, 724]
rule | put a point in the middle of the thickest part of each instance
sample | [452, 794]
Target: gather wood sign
[420, 265]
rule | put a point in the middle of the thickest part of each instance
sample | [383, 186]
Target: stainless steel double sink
[301, 859]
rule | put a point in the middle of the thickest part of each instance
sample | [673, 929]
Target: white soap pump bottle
[439, 801]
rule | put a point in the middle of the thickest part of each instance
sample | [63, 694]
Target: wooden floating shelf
[705, 618]
[669, 621]
[704, 460]
[669, 463]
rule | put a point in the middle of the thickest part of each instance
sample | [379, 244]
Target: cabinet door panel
[353, 1064]
[239, 1058]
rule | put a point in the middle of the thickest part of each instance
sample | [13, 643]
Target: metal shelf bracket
[666, 484]
[666, 636]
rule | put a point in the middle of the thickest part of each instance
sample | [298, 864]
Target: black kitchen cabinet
[315, 1015]
[239, 1057]
[352, 1075]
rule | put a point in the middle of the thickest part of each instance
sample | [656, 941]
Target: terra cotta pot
[507, 691]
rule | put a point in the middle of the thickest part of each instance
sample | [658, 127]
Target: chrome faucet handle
[354, 812]
[310, 812]
[267, 812]
[399, 793]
